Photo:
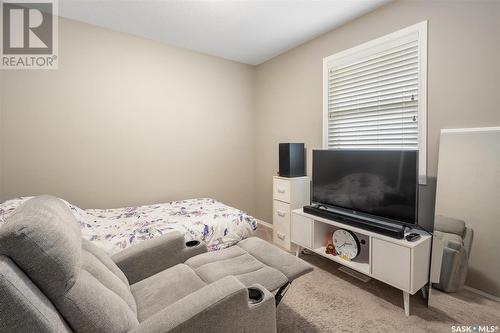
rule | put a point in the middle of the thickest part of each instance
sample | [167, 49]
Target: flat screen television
[371, 183]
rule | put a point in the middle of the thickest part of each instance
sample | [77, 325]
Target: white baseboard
[482, 293]
[265, 224]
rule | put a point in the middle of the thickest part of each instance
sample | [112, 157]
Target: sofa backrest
[449, 225]
[86, 287]
[23, 307]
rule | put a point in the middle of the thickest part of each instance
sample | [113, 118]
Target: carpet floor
[328, 300]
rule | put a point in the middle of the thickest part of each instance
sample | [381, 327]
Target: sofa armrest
[452, 245]
[155, 255]
[468, 237]
[221, 306]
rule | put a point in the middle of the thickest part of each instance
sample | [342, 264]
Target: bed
[204, 219]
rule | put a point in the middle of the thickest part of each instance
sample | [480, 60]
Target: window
[375, 95]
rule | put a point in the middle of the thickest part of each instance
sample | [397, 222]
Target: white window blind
[375, 96]
[373, 103]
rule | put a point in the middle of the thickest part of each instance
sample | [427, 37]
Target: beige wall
[463, 82]
[126, 121]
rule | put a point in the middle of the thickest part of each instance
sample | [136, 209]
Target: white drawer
[281, 214]
[281, 189]
[281, 223]
[302, 230]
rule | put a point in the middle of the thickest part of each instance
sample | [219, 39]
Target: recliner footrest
[251, 261]
[270, 255]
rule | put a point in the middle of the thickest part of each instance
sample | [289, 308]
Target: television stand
[397, 262]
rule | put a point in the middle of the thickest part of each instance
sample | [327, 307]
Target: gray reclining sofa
[52, 280]
[456, 239]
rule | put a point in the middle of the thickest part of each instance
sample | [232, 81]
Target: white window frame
[375, 46]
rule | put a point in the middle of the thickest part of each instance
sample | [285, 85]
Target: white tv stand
[397, 262]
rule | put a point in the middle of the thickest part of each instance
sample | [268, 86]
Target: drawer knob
[280, 213]
[281, 190]
[281, 235]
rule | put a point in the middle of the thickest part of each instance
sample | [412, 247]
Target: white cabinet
[288, 194]
[397, 262]
[302, 228]
[391, 263]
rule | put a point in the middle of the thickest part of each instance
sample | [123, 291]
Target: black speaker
[292, 160]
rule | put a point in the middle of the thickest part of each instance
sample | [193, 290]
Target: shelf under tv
[397, 262]
[362, 267]
[385, 228]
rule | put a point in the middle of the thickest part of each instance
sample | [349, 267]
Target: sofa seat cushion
[162, 289]
[235, 261]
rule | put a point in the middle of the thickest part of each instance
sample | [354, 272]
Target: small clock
[346, 243]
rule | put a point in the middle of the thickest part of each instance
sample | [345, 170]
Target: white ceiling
[250, 32]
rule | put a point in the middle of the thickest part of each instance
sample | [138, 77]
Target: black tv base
[384, 228]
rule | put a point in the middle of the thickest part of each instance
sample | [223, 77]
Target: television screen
[383, 183]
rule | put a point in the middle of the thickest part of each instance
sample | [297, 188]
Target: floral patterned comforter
[207, 220]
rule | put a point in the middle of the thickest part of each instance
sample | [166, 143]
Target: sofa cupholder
[192, 243]
[255, 295]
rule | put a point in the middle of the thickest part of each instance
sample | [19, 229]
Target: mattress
[203, 219]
